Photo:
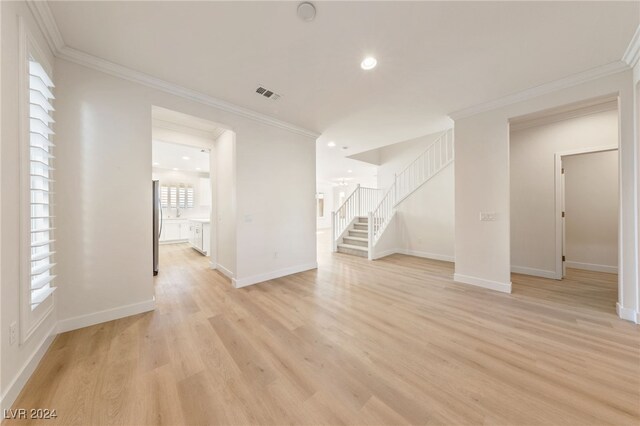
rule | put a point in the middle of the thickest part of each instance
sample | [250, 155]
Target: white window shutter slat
[40, 163]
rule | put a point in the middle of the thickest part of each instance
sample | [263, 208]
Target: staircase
[350, 224]
[356, 240]
[361, 221]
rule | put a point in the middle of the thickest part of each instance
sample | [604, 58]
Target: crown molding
[182, 128]
[49, 28]
[45, 20]
[632, 54]
[563, 83]
[558, 115]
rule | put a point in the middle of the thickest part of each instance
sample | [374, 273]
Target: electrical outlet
[488, 216]
[13, 333]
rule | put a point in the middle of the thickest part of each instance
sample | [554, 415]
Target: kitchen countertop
[199, 220]
[186, 219]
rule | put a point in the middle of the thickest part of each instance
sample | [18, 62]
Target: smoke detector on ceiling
[306, 11]
[269, 94]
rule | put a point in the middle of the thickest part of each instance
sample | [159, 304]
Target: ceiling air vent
[269, 94]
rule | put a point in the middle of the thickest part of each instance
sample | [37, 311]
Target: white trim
[481, 282]
[226, 272]
[13, 390]
[592, 267]
[106, 315]
[556, 115]
[632, 54]
[627, 313]
[559, 197]
[45, 20]
[255, 279]
[376, 256]
[102, 65]
[181, 128]
[563, 83]
[48, 26]
[426, 255]
[534, 272]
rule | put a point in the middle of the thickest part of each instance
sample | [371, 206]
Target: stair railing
[361, 201]
[380, 216]
[430, 162]
[436, 157]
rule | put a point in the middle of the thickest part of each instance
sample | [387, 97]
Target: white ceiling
[170, 156]
[433, 57]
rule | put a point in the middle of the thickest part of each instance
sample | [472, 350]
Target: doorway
[570, 259]
[587, 212]
[193, 175]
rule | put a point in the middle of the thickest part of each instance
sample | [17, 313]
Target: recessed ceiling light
[331, 144]
[175, 168]
[197, 168]
[306, 11]
[185, 158]
[156, 164]
[368, 63]
[349, 171]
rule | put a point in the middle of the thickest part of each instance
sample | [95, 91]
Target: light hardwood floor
[393, 341]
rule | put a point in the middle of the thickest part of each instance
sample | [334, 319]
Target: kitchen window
[177, 196]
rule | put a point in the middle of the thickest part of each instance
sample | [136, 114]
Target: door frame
[560, 196]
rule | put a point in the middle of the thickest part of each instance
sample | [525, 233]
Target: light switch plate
[13, 333]
[488, 216]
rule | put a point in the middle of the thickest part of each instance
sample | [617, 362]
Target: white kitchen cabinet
[200, 235]
[174, 231]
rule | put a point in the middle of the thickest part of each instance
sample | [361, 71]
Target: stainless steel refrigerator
[157, 223]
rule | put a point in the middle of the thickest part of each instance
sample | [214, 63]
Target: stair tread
[352, 247]
[360, 231]
[347, 237]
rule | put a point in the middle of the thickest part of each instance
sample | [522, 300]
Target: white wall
[325, 188]
[224, 177]
[591, 206]
[17, 360]
[425, 220]
[482, 184]
[105, 165]
[394, 158]
[532, 167]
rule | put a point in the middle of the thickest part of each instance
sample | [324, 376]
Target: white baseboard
[384, 254]
[535, 272]
[13, 390]
[627, 314]
[592, 267]
[226, 272]
[243, 282]
[106, 315]
[426, 255]
[481, 282]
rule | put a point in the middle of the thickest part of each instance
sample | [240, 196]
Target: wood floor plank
[394, 341]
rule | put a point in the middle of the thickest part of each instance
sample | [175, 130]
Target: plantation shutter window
[41, 183]
[189, 197]
[177, 196]
[164, 196]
